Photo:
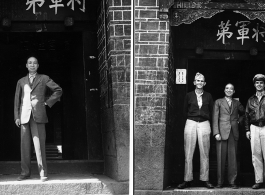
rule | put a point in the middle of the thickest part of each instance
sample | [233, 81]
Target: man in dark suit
[226, 113]
[30, 116]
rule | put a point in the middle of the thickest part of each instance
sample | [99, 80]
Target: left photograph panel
[65, 96]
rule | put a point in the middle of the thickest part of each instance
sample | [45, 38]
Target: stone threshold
[63, 184]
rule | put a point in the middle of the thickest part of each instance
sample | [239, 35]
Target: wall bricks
[151, 90]
[114, 47]
[148, 14]
[148, 3]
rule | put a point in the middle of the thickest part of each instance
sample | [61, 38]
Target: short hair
[32, 57]
[199, 75]
[259, 77]
[230, 84]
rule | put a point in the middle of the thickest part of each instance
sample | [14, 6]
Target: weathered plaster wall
[151, 70]
[114, 36]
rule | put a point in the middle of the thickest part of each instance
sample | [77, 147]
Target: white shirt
[259, 95]
[199, 98]
[31, 77]
[229, 100]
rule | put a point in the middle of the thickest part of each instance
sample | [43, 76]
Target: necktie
[31, 79]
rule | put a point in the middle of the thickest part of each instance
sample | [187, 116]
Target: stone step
[63, 184]
[56, 167]
[202, 191]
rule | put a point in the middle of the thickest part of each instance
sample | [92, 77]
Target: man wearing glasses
[198, 106]
[255, 128]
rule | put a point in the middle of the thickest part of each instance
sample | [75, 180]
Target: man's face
[259, 85]
[229, 90]
[199, 82]
[32, 65]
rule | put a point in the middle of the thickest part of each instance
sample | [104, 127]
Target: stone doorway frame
[180, 12]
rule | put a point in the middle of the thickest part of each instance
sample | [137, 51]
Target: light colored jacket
[32, 100]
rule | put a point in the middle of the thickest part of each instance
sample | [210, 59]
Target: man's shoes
[233, 186]
[23, 177]
[207, 184]
[183, 185]
[257, 186]
[43, 179]
[219, 185]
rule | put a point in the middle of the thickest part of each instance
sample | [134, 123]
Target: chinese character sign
[224, 31]
[55, 4]
[33, 4]
[244, 32]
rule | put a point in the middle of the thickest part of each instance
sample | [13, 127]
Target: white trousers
[192, 131]
[258, 151]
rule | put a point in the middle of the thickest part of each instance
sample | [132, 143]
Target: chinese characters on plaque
[181, 76]
[55, 4]
[244, 31]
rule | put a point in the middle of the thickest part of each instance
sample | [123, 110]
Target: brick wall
[151, 71]
[114, 30]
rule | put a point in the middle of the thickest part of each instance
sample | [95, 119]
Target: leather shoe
[207, 184]
[233, 186]
[183, 185]
[43, 179]
[23, 177]
[219, 185]
[257, 185]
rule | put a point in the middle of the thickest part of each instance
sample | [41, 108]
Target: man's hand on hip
[218, 137]
[17, 122]
[248, 135]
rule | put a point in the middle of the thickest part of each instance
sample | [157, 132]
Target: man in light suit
[30, 116]
[226, 113]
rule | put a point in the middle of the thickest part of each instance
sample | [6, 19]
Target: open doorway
[61, 57]
[218, 73]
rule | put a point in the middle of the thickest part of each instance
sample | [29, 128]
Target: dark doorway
[218, 73]
[61, 57]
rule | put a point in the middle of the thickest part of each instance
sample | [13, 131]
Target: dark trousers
[37, 131]
[227, 148]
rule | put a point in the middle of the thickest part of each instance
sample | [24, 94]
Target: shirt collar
[261, 94]
[32, 75]
[228, 99]
[198, 94]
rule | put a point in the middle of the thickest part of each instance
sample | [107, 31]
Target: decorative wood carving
[187, 16]
[252, 15]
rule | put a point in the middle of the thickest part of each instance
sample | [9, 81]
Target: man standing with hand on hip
[198, 105]
[30, 116]
[226, 113]
[255, 128]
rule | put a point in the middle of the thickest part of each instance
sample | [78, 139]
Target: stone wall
[151, 71]
[114, 30]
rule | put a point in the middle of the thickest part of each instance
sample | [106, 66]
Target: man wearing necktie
[255, 128]
[30, 116]
[226, 113]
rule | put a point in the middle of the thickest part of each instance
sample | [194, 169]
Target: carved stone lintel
[187, 16]
[252, 15]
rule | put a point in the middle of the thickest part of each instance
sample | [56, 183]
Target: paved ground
[203, 191]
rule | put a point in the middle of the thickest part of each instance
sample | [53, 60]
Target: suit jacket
[226, 120]
[32, 100]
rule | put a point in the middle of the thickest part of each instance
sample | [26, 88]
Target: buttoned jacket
[226, 119]
[32, 99]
